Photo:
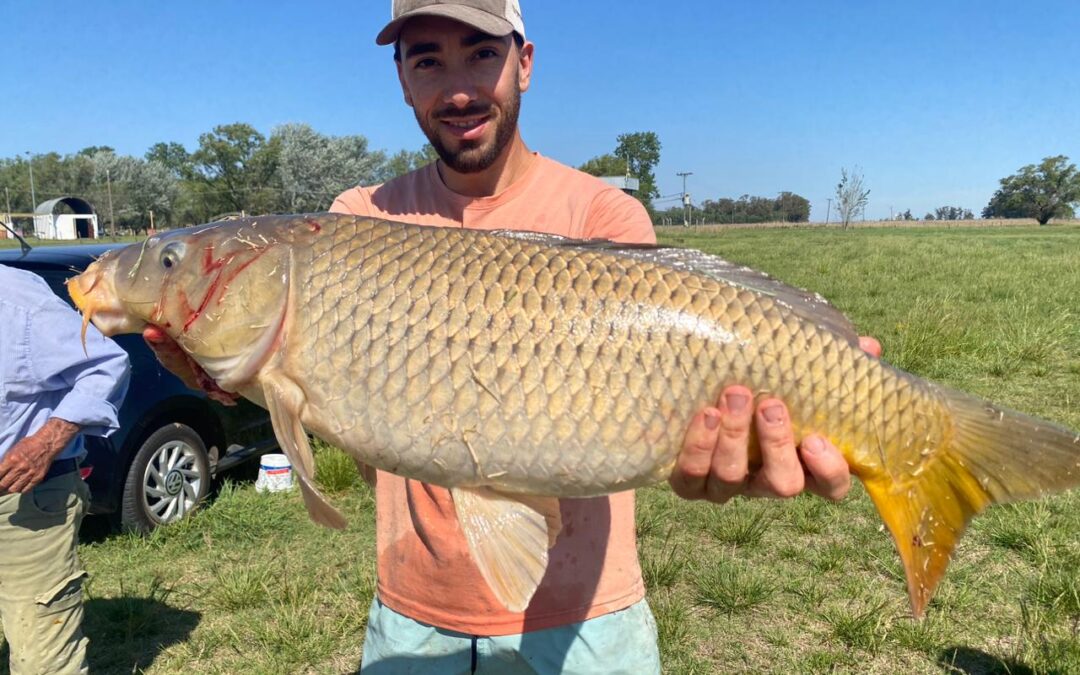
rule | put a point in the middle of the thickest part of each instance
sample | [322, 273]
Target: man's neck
[511, 165]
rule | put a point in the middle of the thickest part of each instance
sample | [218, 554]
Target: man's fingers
[827, 472]
[870, 345]
[781, 473]
[9, 476]
[20, 484]
[728, 471]
[692, 467]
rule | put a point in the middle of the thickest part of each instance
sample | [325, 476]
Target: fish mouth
[95, 300]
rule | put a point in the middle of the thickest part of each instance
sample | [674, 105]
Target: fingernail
[773, 414]
[812, 445]
[712, 420]
[736, 403]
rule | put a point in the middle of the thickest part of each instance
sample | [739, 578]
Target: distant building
[83, 224]
[627, 184]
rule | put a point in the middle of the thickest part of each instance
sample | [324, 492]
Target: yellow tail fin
[994, 456]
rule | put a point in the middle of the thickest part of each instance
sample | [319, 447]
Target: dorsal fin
[808, 305]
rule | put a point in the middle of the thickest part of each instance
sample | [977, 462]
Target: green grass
[799, 586]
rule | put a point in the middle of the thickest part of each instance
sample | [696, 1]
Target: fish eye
[171, 255]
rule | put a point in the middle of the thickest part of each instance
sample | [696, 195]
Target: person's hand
[25, 464]
[177, 362]
[715, 465]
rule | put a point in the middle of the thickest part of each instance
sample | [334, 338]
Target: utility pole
[7, 196]
[112, 219]
[828, 210]
[685, 196]
[33, 197]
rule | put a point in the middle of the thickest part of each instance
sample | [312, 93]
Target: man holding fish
[463, 67]
[514, 385]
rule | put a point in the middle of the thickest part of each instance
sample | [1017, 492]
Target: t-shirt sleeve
[354, 202]
[617, 216]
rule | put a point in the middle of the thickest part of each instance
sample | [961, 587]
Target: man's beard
[471, 157]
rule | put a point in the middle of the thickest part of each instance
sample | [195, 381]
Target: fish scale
[637, 391]
[514, 368]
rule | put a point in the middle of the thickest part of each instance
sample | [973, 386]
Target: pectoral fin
[509, 537]
[367, 472]
[283, 400]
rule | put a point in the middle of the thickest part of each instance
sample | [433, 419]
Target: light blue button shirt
[44, 371]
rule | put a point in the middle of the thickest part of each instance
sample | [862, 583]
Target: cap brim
[477, 18]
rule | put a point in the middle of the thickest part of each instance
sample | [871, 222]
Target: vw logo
[174, 482]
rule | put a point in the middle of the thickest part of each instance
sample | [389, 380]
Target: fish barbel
[518, 368]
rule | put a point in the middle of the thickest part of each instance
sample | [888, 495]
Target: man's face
[464, 88]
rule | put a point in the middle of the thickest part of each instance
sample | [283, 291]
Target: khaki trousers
[41, 577]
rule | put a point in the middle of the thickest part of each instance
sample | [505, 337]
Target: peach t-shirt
[425, 569]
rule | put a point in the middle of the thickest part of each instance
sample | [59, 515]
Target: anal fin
[508, 536]
[283, 400]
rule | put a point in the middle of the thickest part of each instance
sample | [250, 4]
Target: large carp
[518, 368]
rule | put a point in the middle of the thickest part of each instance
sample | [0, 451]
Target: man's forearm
[55, 435]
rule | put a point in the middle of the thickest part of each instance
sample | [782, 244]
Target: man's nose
[459, 92]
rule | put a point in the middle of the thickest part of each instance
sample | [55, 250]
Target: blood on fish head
[220, 291]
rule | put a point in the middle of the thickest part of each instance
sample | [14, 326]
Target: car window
[57, 280]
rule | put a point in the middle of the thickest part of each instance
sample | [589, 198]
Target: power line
[687, 208]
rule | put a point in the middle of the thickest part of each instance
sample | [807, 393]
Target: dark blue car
[172, 440]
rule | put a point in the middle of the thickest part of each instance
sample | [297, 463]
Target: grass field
[801, 586]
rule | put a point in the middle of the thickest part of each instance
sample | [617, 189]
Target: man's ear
[404, 87]
[525, 63]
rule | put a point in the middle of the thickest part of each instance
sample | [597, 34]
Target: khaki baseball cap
[494, 17]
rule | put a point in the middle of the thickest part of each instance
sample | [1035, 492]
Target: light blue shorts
[620, 642]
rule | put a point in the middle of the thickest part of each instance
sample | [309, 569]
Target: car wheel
[168, 477]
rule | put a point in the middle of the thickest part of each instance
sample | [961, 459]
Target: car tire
[168, 478]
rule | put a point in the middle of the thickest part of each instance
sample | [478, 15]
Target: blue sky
[934, 101]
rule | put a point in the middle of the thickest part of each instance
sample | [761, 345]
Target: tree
[92, 150]
[151, 187]
[791, 208]
[234, 169]
[173, 156]
[851, 195]
[953, 213]
[404, 161]
[606, 165]
[642, 151]
[1048, 190]
[312, 168]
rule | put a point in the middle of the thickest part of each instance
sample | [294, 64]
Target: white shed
[627, 184]
[83, 224]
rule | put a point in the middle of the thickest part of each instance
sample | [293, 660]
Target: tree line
[787, 207]
[1049, 189]
[234, 169]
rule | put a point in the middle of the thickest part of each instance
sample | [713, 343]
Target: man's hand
[177, 362]
[26, 463]
[714, 462]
